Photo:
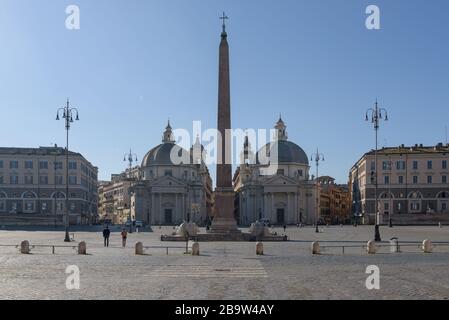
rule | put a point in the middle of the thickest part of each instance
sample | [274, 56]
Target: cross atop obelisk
[224, 18]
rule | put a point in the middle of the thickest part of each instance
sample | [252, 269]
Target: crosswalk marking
[207, 271]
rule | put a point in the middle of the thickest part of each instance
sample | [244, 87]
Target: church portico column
[272, 215]
[152, 213]
[287, 217]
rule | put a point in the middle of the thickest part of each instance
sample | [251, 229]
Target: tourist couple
[107, 233]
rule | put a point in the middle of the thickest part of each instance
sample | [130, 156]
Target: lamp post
[317, 157]
[67, 114]
[130, 157]
[376, 116]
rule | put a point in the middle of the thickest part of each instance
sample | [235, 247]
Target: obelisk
[224, 221]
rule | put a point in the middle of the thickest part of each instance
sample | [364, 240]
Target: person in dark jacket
[106, 234]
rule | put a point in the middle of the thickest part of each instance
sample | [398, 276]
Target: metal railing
[396, 245]
[167, 248]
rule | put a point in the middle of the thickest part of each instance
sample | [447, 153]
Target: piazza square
[228, 270]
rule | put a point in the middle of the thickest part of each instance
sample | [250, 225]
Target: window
[386, 206]
[415, 165]
[58, 165]
[1, 164]
[28, 179]
[43, 165]
[14, 179]
[14, 164]
[429, 164]
[444, 179]
[72, 165]
[44, 206]
[373, 165]
[72, 180]
[400, 165]
[43, 180]
[1, 179]
[28, 164]
[386, 165]
[443, 164]
[415, 179]
[401, 180]
[168, 173]
[429, 179]
[387, 180]
[415, 206]
[280, 172]
[300, 173]
[58, 180]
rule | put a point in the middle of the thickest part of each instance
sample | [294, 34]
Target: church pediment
[168, 181]
[280, 180]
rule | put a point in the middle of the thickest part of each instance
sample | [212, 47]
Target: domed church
[284, 196]
[170, 191]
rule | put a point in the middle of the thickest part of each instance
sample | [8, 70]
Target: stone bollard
[315, 247]
[371, 247]
[139, 248]
[394, 245]
[82, 248]
[427, 246]
[195, 249]
[259, 249]
[25, 247]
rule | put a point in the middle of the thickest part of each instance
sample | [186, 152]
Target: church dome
[162, 153]
[288, 152]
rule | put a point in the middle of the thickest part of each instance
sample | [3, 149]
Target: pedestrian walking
[106, 234]
[285, 227]
[124, 236]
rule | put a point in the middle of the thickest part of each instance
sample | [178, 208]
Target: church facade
[169, 193]
[286, 197]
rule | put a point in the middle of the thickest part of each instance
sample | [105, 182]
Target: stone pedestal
[224, 221]
[82, 248]
[139, 248]
[427, 246]
[259, 249]
[195, 249]
[371, 247]
[315, 247]
[25, 247]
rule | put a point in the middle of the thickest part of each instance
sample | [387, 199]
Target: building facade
[33, 187]
[161, 191]
[286, 197]
[114, 204]
[412, 185]
[335, 203]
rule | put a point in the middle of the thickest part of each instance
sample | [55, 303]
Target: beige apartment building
[335, 204]
[412, 185]
[114, 205]
[33, 187]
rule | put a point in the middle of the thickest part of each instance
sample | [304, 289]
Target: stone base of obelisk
[224, 226]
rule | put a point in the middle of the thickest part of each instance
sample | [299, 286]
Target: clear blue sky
[135, 63]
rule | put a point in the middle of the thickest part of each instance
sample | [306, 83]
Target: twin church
[164, 193]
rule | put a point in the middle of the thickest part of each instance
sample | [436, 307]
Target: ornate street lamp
[67, 113]
[376, 116]
[131, 158]
[317, 157]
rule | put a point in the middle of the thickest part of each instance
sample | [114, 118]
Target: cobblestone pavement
[226, 270]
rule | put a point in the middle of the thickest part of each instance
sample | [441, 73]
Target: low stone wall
[419, 219]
